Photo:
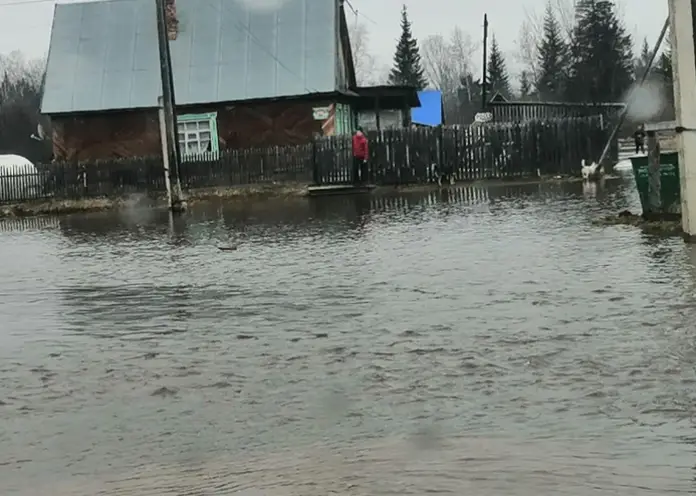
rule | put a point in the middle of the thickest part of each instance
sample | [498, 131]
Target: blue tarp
[430, 111]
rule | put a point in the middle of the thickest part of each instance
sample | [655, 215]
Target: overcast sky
[26, 24]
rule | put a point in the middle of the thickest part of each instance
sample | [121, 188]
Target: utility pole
[173, 156]
[681, 18]
[484, 104]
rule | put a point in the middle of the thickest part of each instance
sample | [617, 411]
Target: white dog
[591, 172]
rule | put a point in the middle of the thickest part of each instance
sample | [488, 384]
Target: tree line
[575, 51]
[21, 87]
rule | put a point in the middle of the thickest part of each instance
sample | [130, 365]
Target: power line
[352, 8]
[359, 13]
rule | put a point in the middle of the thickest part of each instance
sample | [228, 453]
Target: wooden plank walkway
[339, 189]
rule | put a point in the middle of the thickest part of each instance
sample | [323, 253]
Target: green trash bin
[670, 189]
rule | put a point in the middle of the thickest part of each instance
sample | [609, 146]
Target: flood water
[488, 342]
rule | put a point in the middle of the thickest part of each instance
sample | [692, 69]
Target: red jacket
[360, 148]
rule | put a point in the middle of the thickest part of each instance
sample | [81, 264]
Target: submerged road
[489, 342]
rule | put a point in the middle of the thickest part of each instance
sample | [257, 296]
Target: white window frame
[193, 129]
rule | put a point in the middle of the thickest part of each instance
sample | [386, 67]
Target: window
[344, 119]
[198, 134]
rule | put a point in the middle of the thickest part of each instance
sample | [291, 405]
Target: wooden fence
[117, 177]
[524, 111]
[399, 156]
[490, 151]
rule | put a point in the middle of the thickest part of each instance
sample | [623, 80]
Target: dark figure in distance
[360, 156]
[639, 139]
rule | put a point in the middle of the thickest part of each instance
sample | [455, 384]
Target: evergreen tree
[663, 70]
[498, 78]
[663, 66]
[601, 54]
[553, 59]
[641, 63]
[525, 85]
[407, 69]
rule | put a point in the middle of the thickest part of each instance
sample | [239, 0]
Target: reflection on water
[486, 340]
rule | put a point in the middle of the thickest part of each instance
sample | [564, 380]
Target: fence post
[315, 165]
[83, 179]
[441, 151]
[457, 165]
[63, 179]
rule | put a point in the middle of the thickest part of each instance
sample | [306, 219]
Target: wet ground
[472, 341]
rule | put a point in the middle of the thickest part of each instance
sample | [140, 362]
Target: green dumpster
[670, 189]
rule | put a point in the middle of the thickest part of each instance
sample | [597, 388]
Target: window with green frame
[344, 119]
[198, 134]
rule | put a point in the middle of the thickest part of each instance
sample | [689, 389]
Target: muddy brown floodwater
[485, 342]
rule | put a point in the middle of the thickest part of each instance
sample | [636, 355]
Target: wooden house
[243, 77]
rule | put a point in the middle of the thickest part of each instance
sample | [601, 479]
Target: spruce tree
[641, 63]
[663, 66]
[602, 60]
[498, 78]
[553, 59]
[663, 69]
[407, 70]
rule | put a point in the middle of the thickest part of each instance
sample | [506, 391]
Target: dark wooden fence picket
[397, 156]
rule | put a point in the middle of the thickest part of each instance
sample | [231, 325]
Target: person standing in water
[639, 139]
[361, 153]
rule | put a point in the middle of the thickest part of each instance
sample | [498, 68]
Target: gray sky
[25, 25]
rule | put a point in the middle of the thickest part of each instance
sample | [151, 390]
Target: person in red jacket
[361, 152]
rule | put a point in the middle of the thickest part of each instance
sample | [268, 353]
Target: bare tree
[21, 87]
[447, 61]
[565, 14]
[364, 61]
[448, 65]
[463, 50]
[436, 61]
[527, 46]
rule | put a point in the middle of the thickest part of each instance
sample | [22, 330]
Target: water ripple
[484, 340]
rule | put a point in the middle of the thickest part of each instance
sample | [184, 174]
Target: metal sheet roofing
[103, 55]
